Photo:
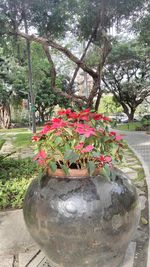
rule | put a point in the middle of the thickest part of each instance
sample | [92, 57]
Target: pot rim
[73, 173]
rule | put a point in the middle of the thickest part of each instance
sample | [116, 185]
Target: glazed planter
[82, 221]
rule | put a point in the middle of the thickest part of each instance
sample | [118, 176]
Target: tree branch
[83, 55]
[60, 48]
[53, 79]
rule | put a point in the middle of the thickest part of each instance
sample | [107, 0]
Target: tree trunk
[96, 88]
[5, 116]
[42, 116]
[131, 115]
[98, 100]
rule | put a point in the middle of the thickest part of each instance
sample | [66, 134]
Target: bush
[12, 193]
[15, 176]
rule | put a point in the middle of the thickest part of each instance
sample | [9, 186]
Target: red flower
[97, 117]
[56, 120]
[58, 133]
[104, 160]
[35, 138]
[84, 114]
[88, 148]
[84, 129]
[84, 117]
[73, 115]
[58, 123]
[85, 111]
[106, 118]
[112, 134]
[118, 137]
[79, 146]
[46, 129]
[64, 112]
[40, 157]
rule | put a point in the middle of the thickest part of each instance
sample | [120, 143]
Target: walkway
[140, 143]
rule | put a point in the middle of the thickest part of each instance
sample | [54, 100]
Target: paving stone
[137, 167]
[126, 169]
[132, 175]
[142, 200]
[14, 237]
[140, 192]
[140, 183]
[44, 263]
[41, 261]
[37, 258]
[129, 257]
[6, 261]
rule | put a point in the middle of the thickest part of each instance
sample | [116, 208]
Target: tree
[90, 21]
[12, 84]
[142, 24]
[46, 99]
[144, 27]
[127, 75]
[109, 105]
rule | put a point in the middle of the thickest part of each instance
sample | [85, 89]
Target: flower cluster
[78, 140]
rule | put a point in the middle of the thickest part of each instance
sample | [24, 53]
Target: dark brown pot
[82, 221]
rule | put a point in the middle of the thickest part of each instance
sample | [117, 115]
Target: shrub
[15, 176]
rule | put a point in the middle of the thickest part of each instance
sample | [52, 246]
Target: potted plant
[81, 211]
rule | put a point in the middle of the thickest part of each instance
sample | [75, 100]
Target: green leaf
[69, 131]
[144, 221]
[65, 169]
[53, 166]
[67, 147]
[68, 154]
[91, 167]
[106, 172]
[96, 154]
[58, 140]
[112, 175]
[114, 149]
[71, 156]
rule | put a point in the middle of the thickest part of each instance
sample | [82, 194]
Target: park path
[140, 144]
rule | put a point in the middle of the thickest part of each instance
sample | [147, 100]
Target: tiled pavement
[140, 143]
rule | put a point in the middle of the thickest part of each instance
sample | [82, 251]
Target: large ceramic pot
[82, 221]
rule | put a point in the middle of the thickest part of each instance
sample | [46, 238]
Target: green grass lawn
[131, 126]
[21, 137]
[13, 130]
[22, 140]
[2, 141]
[17, 130]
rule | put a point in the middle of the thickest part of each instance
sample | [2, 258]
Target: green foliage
[141, 25]
[127, 75]
[144, 30]
[131, 126]
[109, 106]
[51, 17]
[111, 12]
[12, 193]
[13, 84]
[22, 140]
[2, 141]
[15, 176]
